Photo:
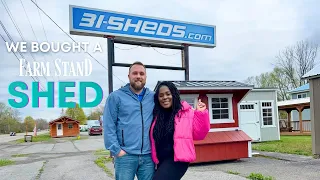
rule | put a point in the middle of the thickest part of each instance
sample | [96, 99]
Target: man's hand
[122, 153]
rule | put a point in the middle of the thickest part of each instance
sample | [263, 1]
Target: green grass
[5, 162]
[41, 170]
[301, 145]
[102, 159]
[232, 172]
[102, 152]
[19, 155]
[101, 162]
[39, 138]
[259, 176]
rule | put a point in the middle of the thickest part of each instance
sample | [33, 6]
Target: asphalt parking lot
[75, 159]
[4, 138]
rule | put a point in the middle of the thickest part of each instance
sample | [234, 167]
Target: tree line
[11, 120]
[291, 64]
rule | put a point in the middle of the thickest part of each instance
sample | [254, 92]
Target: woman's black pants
[170, 170]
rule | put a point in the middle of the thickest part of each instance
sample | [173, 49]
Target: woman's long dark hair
[163, 126]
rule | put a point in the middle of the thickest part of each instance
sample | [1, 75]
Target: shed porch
[287, 125]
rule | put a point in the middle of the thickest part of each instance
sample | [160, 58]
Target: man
[127, 118]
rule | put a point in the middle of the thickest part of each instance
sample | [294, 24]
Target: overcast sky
[250, 34]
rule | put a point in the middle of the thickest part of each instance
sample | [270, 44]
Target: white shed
[258, 115]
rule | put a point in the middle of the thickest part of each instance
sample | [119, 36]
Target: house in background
[298, 109]
[226, 140]
[302, 92]
[64, 127]
[258, 115]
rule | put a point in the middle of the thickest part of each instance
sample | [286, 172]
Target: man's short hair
[137, 63]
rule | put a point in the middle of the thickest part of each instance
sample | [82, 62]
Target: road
[70, 159]
[4, 138]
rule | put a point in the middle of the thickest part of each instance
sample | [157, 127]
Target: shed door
[59, 130]
[249, 120]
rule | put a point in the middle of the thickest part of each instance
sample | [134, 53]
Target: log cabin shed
[225, 141]
[64, 127]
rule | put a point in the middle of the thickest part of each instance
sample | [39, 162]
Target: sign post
[140, 30]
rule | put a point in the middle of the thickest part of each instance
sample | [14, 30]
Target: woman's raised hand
[201, 106]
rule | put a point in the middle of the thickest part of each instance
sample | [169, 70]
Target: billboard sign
[96, 22]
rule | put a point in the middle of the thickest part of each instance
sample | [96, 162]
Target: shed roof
[265, 89]
[300, 89]
[293, 102]
[63, 119]
[224, 137]
[191, 85]
[313, 73]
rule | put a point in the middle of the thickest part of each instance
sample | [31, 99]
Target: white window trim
[218, 121]
[195, 96]
[273, 114]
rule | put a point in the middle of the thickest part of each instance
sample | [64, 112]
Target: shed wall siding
[53, 130]
[260, 95]
[66, 132]
[221, 151]
[237, 96]
[70, 132]
[315, 114]
[267, 133]
[305, 115]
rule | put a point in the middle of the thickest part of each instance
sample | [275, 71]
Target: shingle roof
[211, 84]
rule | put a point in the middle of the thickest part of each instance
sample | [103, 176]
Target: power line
[17, 27]
[45, 34]
[19, 62]
[5, 30]
[165, 54]
[127, 48]
[72, 38]
[35, 33]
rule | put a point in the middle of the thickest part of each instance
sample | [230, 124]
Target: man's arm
[109, 125]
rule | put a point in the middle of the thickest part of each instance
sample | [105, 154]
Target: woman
[176, 124]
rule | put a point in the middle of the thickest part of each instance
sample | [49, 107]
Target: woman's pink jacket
[191, 125]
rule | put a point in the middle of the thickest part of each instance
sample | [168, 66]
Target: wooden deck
[295, 133]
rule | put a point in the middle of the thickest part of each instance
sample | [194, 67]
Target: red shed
[225, 141]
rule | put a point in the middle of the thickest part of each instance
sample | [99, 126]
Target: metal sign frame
[111, 58]
[140, 30]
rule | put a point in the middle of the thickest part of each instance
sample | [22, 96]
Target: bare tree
[305, 54]
[297, 60]
[286, 63]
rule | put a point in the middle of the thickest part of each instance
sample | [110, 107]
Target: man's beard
[137, 87]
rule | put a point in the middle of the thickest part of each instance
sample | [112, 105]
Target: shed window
[303, 95]
[70, 126]
[247, 106]
[220, 108]
[267, 113]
